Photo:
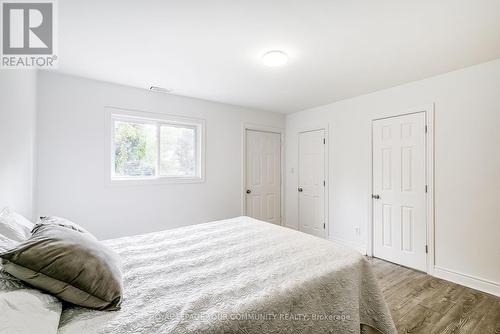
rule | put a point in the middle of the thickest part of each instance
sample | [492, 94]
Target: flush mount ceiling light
[159, 89]
[274, 58]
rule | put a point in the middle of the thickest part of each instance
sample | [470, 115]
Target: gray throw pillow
[53, 220]
[69, 264]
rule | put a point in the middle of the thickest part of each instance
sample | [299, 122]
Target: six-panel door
[311, 187]
[399, 214]
[263, 176]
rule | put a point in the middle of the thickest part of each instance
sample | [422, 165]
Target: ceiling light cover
[275, 58]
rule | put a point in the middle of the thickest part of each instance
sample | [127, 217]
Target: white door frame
[262, 128]
[327, 175]
[429, 149]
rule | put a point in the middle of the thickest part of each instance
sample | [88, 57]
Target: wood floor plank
[396, 278]
[490, 323]
[480, 300]
[425, 287]
[385, 274]
[403, 289]
[401, 306]
[420, 303]
[419, 320]
[459, 319]
[444, 298]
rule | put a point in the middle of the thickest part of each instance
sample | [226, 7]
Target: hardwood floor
[420, 303]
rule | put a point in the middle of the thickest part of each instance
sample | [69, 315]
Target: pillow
[9, 282]
[6, 243]
[28, 311]
[24, 310]
[61, 222]
[14, 226]
[68, 264]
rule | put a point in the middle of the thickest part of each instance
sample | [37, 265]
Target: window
[154, 147]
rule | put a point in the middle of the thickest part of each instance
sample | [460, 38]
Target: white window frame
[128, 115]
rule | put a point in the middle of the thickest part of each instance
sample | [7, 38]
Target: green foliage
[135, 149]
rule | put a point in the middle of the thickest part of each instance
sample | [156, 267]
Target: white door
[399, 190]
[312, 184]
[263, 176]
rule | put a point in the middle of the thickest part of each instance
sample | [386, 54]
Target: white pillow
[6, 244]
[28, 311]
[14, 226]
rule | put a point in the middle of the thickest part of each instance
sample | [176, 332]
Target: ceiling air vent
[159, 89]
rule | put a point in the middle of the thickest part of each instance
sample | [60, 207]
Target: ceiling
[212, 49]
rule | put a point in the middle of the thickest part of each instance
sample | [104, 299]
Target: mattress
[238, 276]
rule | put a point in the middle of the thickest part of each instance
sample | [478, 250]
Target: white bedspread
[238, 276]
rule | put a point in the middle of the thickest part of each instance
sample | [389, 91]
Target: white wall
[467, 166]
[17, 140]
[71, 153]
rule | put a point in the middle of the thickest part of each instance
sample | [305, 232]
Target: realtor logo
[28, 34]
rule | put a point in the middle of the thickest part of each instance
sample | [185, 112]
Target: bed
[238, 276]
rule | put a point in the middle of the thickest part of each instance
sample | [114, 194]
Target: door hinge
[324, 226]
[426, 129]
[426, 188]
[324, 183]
[324, 140]
[426, 249]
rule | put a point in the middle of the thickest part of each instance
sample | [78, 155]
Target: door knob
[376, 196]
[249, 191]
[300, 189]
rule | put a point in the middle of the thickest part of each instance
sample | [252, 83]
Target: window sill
[153, 181]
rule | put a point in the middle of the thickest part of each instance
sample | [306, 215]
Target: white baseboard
[467, 280]
[357, 246]
[290, 226]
